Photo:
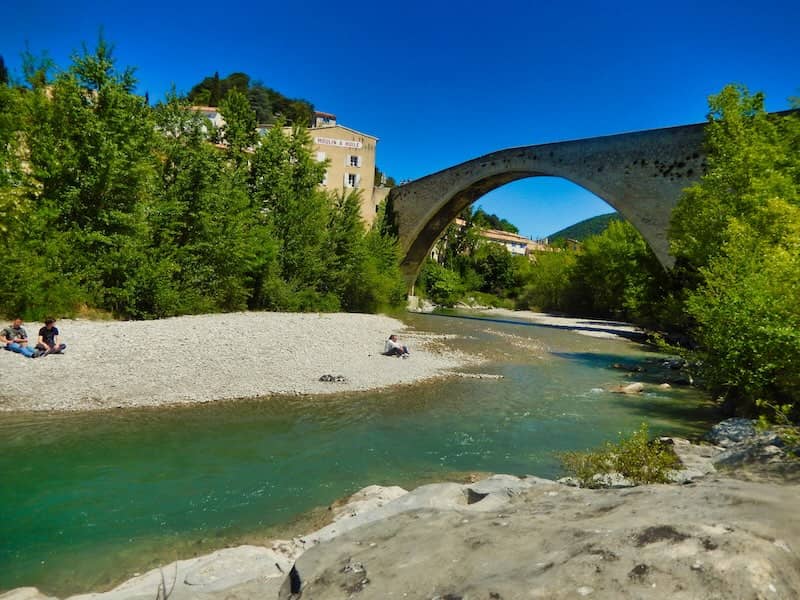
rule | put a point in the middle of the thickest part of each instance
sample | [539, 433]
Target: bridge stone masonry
[640, 174]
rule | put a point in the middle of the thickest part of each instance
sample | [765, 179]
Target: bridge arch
[640, 174]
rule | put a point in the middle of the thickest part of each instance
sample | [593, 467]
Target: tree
[3, 72]
[748, 162]
[549, 286]
[485, 220]
[204, 231]
[259, 100]
[617, 274]
[736, 234]
[748, 314]
[12, 176]
[239, 130]
[90, 144]
[494, 265]
[268, 104]
[284, 182]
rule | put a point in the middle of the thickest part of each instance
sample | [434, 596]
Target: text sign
[324, 141]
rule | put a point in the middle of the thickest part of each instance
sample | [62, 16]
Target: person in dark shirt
[48, 342]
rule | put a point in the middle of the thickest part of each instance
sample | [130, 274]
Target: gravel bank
[202, 358]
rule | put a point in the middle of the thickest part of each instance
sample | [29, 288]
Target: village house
[350, 155]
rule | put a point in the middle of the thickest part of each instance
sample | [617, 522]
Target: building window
[351, 180]
[320, 157]
[325, 178]
[353, 160]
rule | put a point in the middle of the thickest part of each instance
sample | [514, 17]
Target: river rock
[248, 569]
[631, 388]
[731, 431]
[25, 593]
[722, 538]
[365, 500]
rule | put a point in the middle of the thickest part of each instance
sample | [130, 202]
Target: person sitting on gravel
[15, 338]
[48, 342]
[395, 348]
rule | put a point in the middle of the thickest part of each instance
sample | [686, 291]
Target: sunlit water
[89, 499]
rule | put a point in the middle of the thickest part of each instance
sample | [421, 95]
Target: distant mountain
[584, 229]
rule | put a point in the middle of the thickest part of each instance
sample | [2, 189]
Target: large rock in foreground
[722, 538]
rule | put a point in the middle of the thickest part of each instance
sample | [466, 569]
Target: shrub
[635, 457]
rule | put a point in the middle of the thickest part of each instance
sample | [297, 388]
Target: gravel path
[110, 364]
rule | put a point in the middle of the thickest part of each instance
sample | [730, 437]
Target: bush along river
[89, 499]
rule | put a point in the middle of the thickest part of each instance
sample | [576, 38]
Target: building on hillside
[513, 242]
[211, 113]
[350, 155]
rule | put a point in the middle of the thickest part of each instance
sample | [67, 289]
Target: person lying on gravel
[48, 342]
[394, 348]
[15, 338]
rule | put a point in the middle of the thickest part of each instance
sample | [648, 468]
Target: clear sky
[443, 82]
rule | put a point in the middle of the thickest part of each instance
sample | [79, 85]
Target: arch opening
[431, 231]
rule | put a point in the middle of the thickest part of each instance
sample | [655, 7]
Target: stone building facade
[351, 161]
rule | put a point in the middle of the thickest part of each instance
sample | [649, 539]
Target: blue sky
[442, 82]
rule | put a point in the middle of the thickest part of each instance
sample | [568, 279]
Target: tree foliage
[486, 220]
[268, 104]
[737, 233]
[110, 204]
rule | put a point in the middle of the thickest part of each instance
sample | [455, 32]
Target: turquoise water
[89, 499]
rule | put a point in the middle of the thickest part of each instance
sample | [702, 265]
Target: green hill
[584, 229]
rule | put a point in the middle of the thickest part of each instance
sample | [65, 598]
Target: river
[89, 499]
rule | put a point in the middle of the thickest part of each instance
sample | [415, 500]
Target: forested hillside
[582, 230]
[267, 104]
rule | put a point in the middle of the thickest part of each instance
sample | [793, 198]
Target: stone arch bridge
[640, 174]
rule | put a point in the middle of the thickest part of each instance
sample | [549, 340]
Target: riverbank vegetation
[731, 299]
[635, 457]
[111, 204]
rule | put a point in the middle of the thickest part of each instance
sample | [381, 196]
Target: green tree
[259, 100]
[485, 220]
[748, 314]
[3, 72]
[736, 234]
[90, 144]
[284, 183]
[617, 275]
[204, 228]
[751, 157]
[12, 177]
[239, 130]
[493, 263]
[549, 286]
[442, 285]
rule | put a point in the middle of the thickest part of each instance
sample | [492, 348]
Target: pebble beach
[206, 358]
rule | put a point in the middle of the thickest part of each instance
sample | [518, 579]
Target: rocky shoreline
[728, 528]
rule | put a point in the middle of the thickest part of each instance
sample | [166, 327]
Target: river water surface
[88, 499]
